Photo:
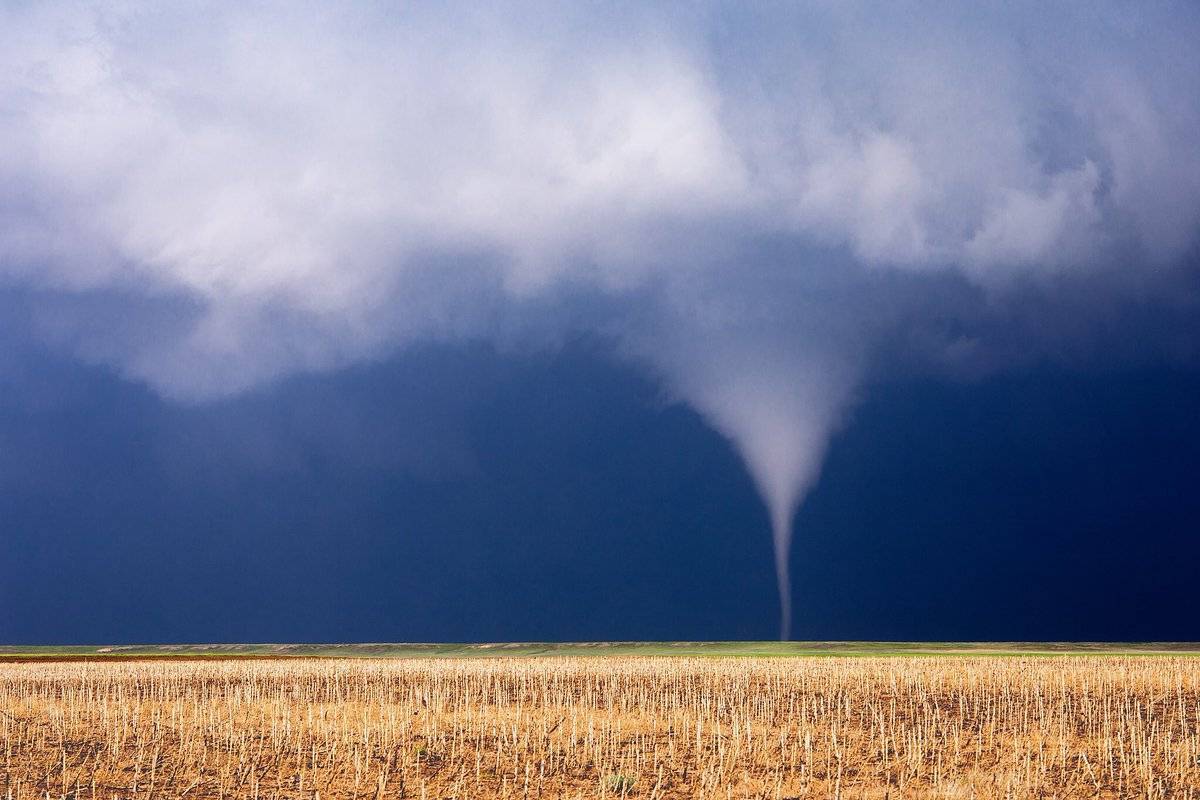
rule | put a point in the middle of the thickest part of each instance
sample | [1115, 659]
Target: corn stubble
[603, 727]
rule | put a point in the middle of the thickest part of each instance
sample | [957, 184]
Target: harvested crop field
[1079, 726]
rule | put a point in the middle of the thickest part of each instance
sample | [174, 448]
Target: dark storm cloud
[759, 206]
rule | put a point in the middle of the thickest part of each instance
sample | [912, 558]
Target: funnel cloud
[780, 417]
[766, 209]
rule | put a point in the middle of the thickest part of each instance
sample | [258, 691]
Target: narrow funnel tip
[781, 533]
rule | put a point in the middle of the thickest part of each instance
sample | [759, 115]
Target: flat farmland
[1018, 726]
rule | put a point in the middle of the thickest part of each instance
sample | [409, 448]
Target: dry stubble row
[608, 727]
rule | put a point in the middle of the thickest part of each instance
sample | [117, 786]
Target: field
[143, 724]
[528, 649]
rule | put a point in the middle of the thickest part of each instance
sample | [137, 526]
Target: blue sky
[613, 321]
[1045, 504]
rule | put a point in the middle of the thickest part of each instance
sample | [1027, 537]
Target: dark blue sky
[456, 494]
[524, 321]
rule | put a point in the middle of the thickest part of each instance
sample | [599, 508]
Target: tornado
[782, 431]
[779, 406]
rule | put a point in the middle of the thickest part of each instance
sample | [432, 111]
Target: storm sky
[617, 321]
